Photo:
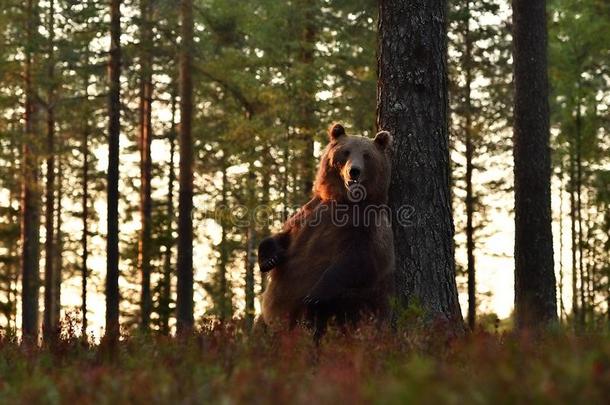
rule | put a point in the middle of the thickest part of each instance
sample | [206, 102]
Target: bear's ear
[335, 132]
[383, 139]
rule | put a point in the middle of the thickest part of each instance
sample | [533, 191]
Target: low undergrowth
[221, 364]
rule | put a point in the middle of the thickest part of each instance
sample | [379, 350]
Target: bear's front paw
[270, 254]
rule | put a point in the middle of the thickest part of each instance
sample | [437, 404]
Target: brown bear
[335, 257]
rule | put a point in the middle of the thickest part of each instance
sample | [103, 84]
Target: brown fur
[302, 287]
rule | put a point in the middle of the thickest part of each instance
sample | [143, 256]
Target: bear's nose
[354, 173]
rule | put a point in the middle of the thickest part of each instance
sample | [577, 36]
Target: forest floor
[220, 364]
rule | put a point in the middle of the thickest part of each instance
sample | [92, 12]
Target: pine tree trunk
[307, 102]
[50, 323]
[30, 195]
[164, 304]
[184, 304]
[250, 252]
[267, 165]
[224, 251]
[85, 221]
[535, 296]
[578, 157]
[146, 90]
[412, 105]
[472, 302]
[572, 184]
[114, 127]
[561, 269]
[58, 257]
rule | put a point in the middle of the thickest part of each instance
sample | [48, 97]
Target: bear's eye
[346, 153]
[367, 156]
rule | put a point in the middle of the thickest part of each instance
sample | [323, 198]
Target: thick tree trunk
[49, 322]
[535, 296]
[114, 128]
[184, 305]
[412, 105]
[146, 90]
[30, 195]
[164, 304]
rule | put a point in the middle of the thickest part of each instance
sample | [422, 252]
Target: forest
[147, 147]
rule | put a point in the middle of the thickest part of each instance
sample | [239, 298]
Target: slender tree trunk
[50, 323]
[85, 220]
[224, 253]
[114, 128]
[535, 296]
[146, 90]
[412, 106]
[308, 91]
[184, 305]
[267, 165]
[572, 185]
[58, 257]
[30, 193]
[250, 252]
[583, 299]
[164, 312]
[472, 299]
[561, 270]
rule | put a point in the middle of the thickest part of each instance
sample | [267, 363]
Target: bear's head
[354, 168]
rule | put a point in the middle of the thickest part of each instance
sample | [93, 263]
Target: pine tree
[412, 106]
[114, 112]
[184, 307]
[535, 298]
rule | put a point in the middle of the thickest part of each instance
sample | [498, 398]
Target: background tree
[535, 298]
[146, 99]
[184, 306]
[30, 204]
[114, 128]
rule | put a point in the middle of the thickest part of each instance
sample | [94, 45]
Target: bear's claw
[269, 264]
[270, 254]
[311, 300]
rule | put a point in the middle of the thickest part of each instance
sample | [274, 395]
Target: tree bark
[412, 104]
[30, 193]
[50, 323]
[535, 296]
[114, 128]
[184, 305]
[146, 90]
